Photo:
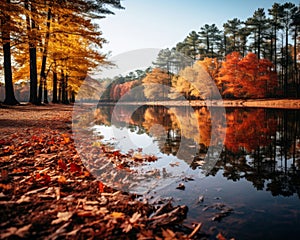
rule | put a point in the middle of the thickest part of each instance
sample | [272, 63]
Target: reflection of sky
[126, 140]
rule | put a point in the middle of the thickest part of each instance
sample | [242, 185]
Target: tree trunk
[10, 98]
[54, 93]
[61, 88]
[42, 84]
[258, 42]
[286, 62]
[225, 45]
[275, 47]
[295, 61]
[65, 90]
[32, 54]
[45, 92]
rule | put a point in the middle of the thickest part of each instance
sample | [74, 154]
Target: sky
[163, 23]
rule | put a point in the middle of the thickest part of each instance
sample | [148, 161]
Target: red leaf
[117, 154]
[46, 178]
[61, 164]
[75, 168]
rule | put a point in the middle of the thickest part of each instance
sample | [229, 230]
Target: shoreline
[249, 103]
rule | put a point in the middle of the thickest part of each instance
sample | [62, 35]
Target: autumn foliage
[247, 77]
[119, 90]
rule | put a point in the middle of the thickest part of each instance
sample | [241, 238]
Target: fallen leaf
[21, 232]
[24, 198]
[62, 179]
[5, 186]
[174, 164]
[62, 217]
[220, 237]
[180, 186]
[66, 138]
[101, 187]
[168, 234]
[135, 217]
[75, 168]
[4, 174]
[62, 164]
[117, 215]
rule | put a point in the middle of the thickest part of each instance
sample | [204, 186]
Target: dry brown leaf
[62, 217]
[135, 217]
[168, 234]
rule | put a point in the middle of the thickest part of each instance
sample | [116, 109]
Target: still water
[251, 189]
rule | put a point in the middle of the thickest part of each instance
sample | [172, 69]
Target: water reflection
[262, 146]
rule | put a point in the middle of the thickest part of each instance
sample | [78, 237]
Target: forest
[50, 45]
[48, 48]
[253, 58]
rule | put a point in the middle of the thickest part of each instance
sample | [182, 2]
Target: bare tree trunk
[32, 54]
[54, 93]
[10, 98]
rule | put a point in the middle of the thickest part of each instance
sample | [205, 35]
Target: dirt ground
[46, 193]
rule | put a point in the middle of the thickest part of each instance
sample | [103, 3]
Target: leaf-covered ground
[46, 193]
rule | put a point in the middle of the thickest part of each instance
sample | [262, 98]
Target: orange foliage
[247, 77]
[155, 84]
[248, 129]
[119, 90]
[212, 66]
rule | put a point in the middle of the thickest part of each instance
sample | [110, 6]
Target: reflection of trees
[102, 115]
[170, 136]
[248, 129]
[261, 146]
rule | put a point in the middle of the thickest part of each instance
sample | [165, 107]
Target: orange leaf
[220, 237]
[101, 187]
[5, 186]
[117, 215]
[66, 138]
[62, 179]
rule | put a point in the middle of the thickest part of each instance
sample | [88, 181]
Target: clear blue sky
[163, 23]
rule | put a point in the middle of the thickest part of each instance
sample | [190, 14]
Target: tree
[210, 36]
[155, 84]
[31, 15]
[289, 10]
[193, 83]
[231, 29]
[258, 24]
[190, 45]
[247, 77]
[296, 25]
[7, 24]
[172, 60]
[275, 12]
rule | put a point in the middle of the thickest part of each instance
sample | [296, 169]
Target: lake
[238, 173]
